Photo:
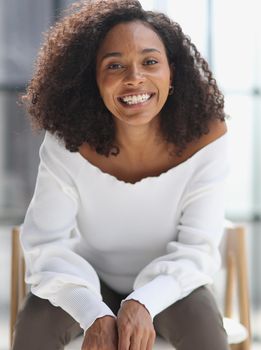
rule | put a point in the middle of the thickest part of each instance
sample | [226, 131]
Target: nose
[134, 76]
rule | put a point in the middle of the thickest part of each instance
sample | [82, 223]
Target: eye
[115, 66]
[150, 62]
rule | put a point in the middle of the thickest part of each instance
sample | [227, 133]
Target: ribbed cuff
[157, 294]
[82, 304]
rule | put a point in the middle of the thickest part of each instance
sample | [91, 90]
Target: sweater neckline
[115, 180]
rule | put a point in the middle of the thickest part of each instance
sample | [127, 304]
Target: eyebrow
[119, 54]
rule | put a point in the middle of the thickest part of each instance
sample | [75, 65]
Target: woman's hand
[102, 335]
[135, 327]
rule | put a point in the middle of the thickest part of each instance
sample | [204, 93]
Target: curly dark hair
[63, 96]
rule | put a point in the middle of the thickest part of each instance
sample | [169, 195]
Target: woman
[121, 237]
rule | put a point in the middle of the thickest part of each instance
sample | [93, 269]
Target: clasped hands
[132, 330]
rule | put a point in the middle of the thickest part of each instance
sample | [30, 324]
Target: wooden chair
[18, 286]
[235, 262]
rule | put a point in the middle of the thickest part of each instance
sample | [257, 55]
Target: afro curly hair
[63, 97]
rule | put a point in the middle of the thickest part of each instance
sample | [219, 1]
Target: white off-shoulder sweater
[155, 240]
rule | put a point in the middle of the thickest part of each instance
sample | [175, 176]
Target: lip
[135, 93]
[138, 105]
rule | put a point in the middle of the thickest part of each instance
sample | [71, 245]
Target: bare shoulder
[217, 128]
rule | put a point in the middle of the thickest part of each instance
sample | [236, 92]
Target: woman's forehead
[134, 35]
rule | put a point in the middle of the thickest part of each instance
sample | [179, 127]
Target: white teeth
[131, 100]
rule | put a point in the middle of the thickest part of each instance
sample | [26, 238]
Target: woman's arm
[193, 258]
[49, 235]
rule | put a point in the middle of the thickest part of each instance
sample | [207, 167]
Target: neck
[137, 142]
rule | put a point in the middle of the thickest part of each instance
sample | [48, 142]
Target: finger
[144, 342]
[135, 342]
[150, 343]
[124, 341]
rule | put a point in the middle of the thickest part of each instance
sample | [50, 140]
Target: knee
[200, 311]
[38, 324]
[202, 326]
[35, 314]
[193, 320]
[200, 306]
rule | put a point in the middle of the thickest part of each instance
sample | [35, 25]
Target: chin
[138, 120]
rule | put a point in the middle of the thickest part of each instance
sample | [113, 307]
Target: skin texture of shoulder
[120, 168]
[217, 128]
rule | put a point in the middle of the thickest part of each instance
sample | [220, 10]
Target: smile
[135, 99]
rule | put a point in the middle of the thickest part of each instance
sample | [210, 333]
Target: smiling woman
[128, 209]
[66, 74]
[133, 79]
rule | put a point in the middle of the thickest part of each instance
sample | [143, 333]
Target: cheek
[167, 84]
[106, 93]
[164, 87]
[164, 91]
[106, 87]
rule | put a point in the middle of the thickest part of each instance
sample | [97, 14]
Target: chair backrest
[18, 286]
[234, 257]
[236, 284]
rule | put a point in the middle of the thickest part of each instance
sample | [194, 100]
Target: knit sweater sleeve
[48, 237]
[193, 257]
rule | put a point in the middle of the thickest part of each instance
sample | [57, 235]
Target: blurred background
[227, 33]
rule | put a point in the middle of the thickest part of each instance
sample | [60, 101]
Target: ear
[172, 73]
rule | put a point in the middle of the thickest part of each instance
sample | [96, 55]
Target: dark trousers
[193, 323]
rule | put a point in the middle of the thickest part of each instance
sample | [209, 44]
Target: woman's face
[133, 73]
